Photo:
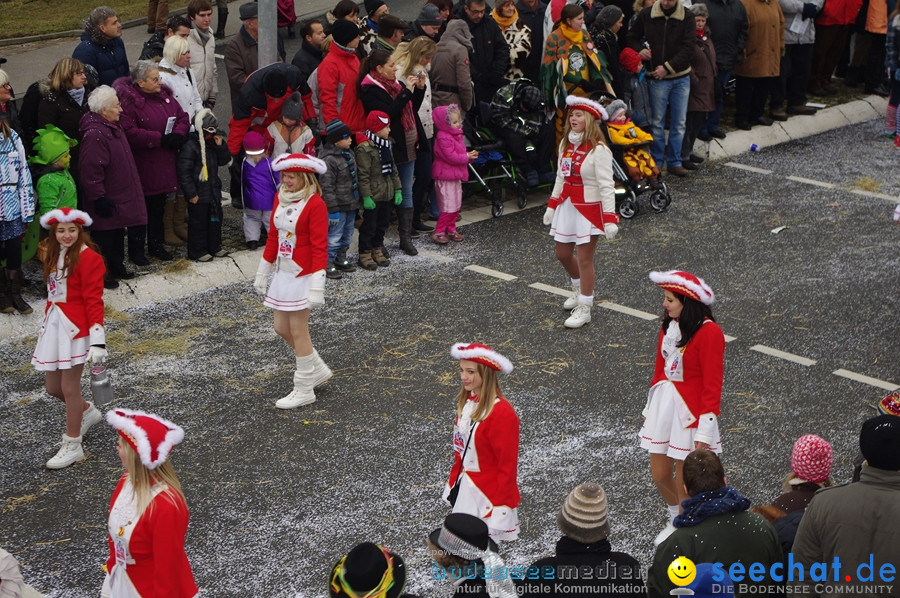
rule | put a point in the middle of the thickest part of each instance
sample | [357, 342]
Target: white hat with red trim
[65, 215]
[299, 163]
[590, 106]
[481, 354]
[151, 436]
[686, 284]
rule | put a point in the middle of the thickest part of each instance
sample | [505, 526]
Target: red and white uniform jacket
[302, 234]
[696, 371]
[79, 296]
[150, 546]
[584, 176]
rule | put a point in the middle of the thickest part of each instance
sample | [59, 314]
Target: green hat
[51, 144]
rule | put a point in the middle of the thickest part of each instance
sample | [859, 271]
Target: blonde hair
[489, 391]
[310, 184]
[62, 74]
[410, 54]
[50, 250]
[143, 480]
[787, 486]
[592, 132]
[175, 48]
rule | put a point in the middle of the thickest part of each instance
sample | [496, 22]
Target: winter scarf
[384, 152]
[77, 95]
[504, 22]
[394, 89]
[351, 163]
[576, 37]
[286, 197]
[706, 504]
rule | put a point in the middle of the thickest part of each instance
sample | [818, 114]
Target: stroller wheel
[523, 196]
[628, 205]
[496, 209]
[660, 201]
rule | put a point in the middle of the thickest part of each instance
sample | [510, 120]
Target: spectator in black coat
[490, 60]
[153, 47]
[309, 56]
[531, 13]
[429, 23]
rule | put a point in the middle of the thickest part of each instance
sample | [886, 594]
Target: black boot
[6, 306]
[14, 278]
[222, 8]
[404, 227]
[342, 263]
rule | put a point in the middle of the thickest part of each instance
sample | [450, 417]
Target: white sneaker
[321, 372]
[301, 395]
[90, 417]
[572, 302]
[70, 452]
[581, 315]
[661, 536]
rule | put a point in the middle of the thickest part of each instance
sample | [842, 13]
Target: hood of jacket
[94, 35]
[457, 31]
[441, 122]
[130, 94]
[656, 12]
[92, 121]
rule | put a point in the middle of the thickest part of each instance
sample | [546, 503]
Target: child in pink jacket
[449, 169]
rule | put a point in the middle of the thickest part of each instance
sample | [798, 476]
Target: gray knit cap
[609, 15]
[583, 515]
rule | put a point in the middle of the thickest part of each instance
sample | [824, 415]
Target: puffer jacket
[107, 169]
[450, 157]
[183, 86]
[144, 117]
[190, 165]
[839, 12]
[107, 56]
[338, 96]
[671, 38]
[451, 79]
[203, 65]
[337, 185]
[728, 28]
[16, 192]
[368, 172]
[790, 9]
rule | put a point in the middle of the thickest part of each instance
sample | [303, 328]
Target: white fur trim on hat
[124, 420]
[65, 215]
[686, 284]
[577, 103]
[299, 163]
[481, 354]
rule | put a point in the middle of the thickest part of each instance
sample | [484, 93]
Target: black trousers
[692, 124]
[830, 42]
[375, 222]
[796, 65]
[112, 246]
[751, 94]
[539, 159]
[156, 205]
[11, 250]
[234, 187]
[204, 229]
[423, 183]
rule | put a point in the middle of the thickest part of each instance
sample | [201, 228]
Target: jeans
[712, 121]
[406, 172]
[340, 232]
[672, 94]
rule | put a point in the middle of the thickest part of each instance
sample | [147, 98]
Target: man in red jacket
[337, 79]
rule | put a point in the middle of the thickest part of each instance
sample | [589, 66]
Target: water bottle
[101, 389]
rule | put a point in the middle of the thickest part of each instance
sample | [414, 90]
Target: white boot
[90, 417]
[581, 315]
[303, 385]
[321, 372]
[70, 452]
[661, 536]
[572, 302]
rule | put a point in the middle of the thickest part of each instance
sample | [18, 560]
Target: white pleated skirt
[288, 292]
[54, 350]
[569, 226]
[662, 432]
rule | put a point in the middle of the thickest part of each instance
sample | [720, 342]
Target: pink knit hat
[811, 458]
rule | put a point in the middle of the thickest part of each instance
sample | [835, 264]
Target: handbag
[454, 492]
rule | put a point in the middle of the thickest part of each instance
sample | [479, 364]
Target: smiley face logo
[682, 571]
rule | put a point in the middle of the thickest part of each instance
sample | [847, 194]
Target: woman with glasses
[64, 101]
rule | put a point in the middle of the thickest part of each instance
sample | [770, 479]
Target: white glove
[317, 288]
[548, 216]
[706, 427]
[611, 230]
[97, 354]
[261, 282]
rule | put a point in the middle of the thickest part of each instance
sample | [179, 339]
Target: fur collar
[656, 11]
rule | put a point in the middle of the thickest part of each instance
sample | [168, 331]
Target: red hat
[299, 163]
[684, 283]
[589, 106]
[630, 60]
[65, 215]
[151, 436]
[811, 458]
[482, 354]
[377, 120]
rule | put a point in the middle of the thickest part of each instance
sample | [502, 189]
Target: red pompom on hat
[151, 436]
[630, 60]
[377, 120]
[812, 458]
[299, 163]
[684, 283]
[890, 405]
[65, 215]
[589, 106]
[481, 354]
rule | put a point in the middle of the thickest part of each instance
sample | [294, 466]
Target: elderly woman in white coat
[582, 205]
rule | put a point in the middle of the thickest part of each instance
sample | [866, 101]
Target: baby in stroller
[633, 141]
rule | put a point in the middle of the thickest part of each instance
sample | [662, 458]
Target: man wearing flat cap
[242, 52]
[858, 522]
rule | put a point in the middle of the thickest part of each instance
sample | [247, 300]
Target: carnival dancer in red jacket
[485, 444]
[148, 515]
[682, 410]
[299, 253]
[582, 205]
[72, 330]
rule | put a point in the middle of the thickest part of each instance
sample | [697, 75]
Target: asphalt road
[276, 497]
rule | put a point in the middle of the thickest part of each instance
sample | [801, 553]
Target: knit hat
[685, 284]
[699, 10]
[203, 119]
[377, 120]
[890, 405]
[616, 109]
[336, 130]
[630, 60]
[293, 107]
[811, 458]
[705, 586]
[528, 96]
[254, 143]
[366, 568]
[430, 15]
[583, 515]
[249, 10]
[482, 354]
[372, 6]
[609, 15]
[151, 436]
[65, 215]
[343, 32]
[275, 83]
[51, 144]
[589, 106]
[879, 441]
[299, 163]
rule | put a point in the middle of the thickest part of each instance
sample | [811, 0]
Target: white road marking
[800, 179]
[434, 255]
[783, 355]
[748, 168]
[490, 272]
[728, 339]
[550, 289]
[890, 386]
[627, 310]
[872, 194]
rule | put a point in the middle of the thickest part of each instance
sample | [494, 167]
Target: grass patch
[112, 314]
[867, 183]
[157, 343]
[179, 265]
[33, 17]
